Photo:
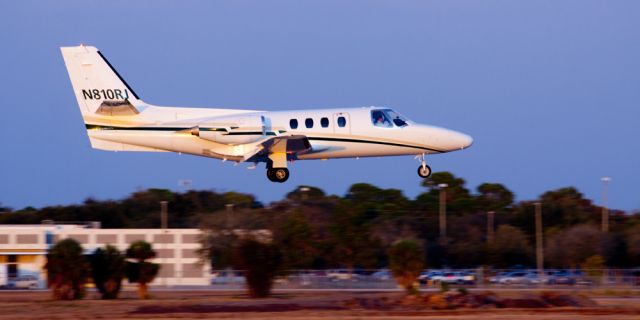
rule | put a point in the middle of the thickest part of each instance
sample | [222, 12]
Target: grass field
[307, 306]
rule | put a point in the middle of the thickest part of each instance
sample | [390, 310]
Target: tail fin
[98, 87]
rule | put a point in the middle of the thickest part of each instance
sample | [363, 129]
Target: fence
[470, 278]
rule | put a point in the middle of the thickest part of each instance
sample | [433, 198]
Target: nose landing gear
[424, 171]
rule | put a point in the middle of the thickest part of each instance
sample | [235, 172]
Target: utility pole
[443, 211]
[539, 252]
[163, 225]
[305, 193]
[605, 205]
[490, 226]
[229, 215]
[163, 214]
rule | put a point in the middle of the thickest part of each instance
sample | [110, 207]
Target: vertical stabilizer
[98, 87]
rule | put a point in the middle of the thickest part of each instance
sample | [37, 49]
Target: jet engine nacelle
[232, 130]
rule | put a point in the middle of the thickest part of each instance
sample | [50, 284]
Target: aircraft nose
[452, 140]
[463, 140]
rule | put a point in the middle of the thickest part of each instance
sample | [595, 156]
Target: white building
[23, 249]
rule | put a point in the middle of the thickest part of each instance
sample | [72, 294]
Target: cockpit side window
[397, 119]
[380, 119]
[387, 118]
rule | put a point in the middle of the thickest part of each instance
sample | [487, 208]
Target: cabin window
[324, 122]
[308, 123]
[293, 123]
[342, 122]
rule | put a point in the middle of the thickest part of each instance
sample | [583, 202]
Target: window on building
[342, 122]
[293, 123]
[324, 122]
[48, 238]
[308, 123]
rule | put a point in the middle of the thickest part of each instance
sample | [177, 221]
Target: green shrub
[406, 262]
[142, 271]
[107, 270]
[67, 270]
[261, 263]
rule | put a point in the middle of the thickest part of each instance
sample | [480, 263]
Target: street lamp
[163, 214]
[605, 205]
[443, 210]
[304, 191]
[163, 225]
[490, 226]
[539, 252]
[228, 215]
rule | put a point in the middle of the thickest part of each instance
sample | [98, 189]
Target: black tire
[270, 175]
[426, 173]
[280, 174]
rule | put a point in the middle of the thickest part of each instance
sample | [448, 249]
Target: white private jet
[118, 120]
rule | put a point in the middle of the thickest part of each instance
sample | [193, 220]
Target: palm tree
[67, 270]
[406, 260]
[141, 271]
[107, 269]
[261, 263]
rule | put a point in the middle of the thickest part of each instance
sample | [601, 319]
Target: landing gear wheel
[424, 171]
[270, 175]
[280, 174]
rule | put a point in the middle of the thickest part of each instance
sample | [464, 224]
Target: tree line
[312, 229]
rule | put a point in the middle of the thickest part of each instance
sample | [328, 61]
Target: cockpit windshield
[387, 118]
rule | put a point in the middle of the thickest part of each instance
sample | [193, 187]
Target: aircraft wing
[282, 146]
[290, 145]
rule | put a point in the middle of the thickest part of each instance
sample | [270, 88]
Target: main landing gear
[277, 165]
[424, 171]
[278, 174]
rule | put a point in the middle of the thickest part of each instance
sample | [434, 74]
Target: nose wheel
[424, 171]
[278, 174]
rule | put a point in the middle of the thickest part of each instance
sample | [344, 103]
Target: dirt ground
[299, 305]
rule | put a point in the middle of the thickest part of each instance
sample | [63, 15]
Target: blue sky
[550, 90]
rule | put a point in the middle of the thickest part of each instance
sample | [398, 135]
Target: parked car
[564, 277]
[520, 277]
[226, 277]
[496, 279]
[382, 275]
[342, 275]
[433, 276]
[427, 276]
[24, 282]
[458, 277]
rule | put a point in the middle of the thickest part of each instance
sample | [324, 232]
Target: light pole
[539, 252]
[228, 215]
[443, 210]
[163, 214]
[490, 226]
[163, 226]
[605, 205]
[305, 194]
